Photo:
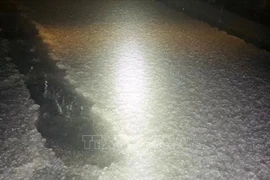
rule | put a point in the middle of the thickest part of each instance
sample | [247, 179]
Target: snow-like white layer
[22, 151]
[181, 99]
[23, 154]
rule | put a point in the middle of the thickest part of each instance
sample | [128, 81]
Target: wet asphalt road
[177, 97]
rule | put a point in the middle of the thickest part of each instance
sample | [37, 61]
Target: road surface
[177, 98]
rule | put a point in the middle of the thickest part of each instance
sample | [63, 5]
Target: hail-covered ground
[174, 97]
[22, 151]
